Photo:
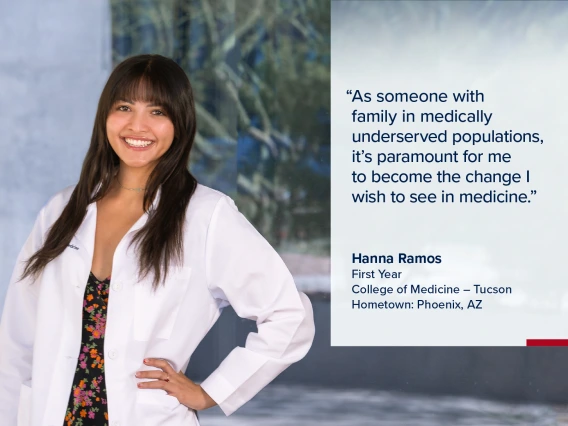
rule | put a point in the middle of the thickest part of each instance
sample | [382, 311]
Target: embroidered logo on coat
[73, 247]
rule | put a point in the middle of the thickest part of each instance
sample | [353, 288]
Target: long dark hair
[149, 78]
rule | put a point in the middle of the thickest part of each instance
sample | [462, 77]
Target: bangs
[143, 88]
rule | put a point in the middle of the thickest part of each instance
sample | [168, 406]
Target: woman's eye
[127, 108]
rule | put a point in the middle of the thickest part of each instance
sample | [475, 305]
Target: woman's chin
[136, 163]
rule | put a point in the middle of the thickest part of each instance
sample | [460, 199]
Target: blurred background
[261, 74]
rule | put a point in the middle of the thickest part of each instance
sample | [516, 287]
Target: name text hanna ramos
[400, 258]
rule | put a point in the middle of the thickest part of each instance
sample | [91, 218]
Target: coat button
[112, 354]
[116, 286]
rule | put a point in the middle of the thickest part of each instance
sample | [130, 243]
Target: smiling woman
[174, 254]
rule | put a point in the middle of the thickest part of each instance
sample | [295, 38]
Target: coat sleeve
[243, 270]
[17, 329]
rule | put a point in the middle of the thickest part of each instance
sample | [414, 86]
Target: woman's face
[140, 133]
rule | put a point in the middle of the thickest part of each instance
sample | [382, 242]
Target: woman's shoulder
[204, 202]
[59, 200]
[207, 197]
[54, 206]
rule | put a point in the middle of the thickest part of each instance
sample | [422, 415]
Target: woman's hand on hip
[174, 383]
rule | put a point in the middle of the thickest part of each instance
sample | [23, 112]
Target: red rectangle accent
[547, 342]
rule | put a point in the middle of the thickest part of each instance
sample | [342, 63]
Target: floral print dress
[88, 402]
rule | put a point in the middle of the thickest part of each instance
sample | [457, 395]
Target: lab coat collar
[86, 232]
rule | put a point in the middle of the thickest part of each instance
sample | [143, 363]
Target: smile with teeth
[137, 143]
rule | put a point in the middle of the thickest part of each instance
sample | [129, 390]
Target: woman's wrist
[208, 402]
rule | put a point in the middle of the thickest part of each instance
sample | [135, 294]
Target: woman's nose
[138, 122]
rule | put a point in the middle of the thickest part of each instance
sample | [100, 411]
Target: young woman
[125, 272]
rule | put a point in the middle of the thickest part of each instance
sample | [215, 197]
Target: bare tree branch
[210, 21]
[210, 123]
[205, 147]
[253, 16]
[265, 138]
[232, 91]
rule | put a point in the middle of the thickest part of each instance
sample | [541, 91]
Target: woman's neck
[132, 179]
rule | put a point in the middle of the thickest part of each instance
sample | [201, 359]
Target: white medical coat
[226, 261]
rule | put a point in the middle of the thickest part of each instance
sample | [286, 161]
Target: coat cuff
[219, 389]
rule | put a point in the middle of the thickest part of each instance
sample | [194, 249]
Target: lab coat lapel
[76, 274]
[85, 235]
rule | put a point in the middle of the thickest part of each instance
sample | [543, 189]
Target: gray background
[54, 61]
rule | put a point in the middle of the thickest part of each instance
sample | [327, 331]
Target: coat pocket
[156, 397]
[156, 407]
[25, 406]
[155, 312]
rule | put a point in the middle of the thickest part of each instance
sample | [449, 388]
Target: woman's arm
[243, 270]
[17, 329]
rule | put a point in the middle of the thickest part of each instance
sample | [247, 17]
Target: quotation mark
[350, 92]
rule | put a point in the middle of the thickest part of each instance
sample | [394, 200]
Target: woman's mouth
[137, 143]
